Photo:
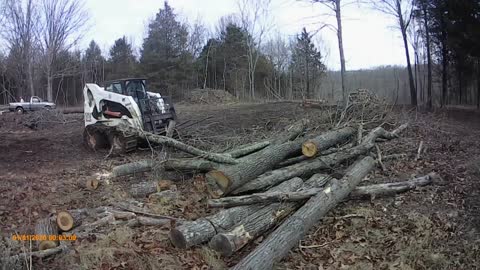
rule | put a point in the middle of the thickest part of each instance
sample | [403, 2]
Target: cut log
[263, 198]
[45, 228]
[279, 242]
[68, 220]
[147, 221]
[201, 230]
[247, 149]
[144, 189]
[200, 165]
[132, 168]
[311, 166]
[170, 128]
[326, 140]
[393, 188]
[229, 177]
[260, 221]
[164, 140]
[92, 184]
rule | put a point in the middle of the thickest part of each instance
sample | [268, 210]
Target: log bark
[263, 198]
[326, 140]
[201, 230]
[200, 165]
[393, 188]
[147, 221]
[279, 242]
[291, 161]
[227, 178]
[291, 133]
[309, 167]
[164, 140]
[132, 168]
[46, 227]
[68, 220]
[144, 189]
[247, 149]
[260, 221]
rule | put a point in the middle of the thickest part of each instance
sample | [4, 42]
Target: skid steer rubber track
[121, 143]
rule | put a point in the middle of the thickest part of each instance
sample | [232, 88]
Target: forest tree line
[40, 56]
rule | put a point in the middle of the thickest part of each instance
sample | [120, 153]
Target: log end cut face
[44, 245]
[217, 183]
[92, 184]
[65, 221]
[309, 149]
[178, 239]
[222, 244]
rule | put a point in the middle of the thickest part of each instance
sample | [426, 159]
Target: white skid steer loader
[126, 102]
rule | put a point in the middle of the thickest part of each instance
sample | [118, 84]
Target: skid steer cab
[124, 102]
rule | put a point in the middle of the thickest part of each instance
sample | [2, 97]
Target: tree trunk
[132, 168]
[278, 243]
[343, 69]
[47, 230]
[193, 164]
[144, 189]
[261, 221]
[326, 140]
[49, 86]
[311, 166]
[229, 177]
[444, 62]
[429, 58]
[403, 29]
[201, 230]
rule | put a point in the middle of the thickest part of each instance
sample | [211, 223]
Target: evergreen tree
[164, 56]
[122, 61]
[93, 63]
[307, 63]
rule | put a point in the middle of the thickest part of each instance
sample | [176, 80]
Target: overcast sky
[369, 37]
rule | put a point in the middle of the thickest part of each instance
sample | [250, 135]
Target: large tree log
[317, 164]
[132, 168]
[247, 149]
[193, 164]
[229, 177]
[326, 140]
[164, 140]
[393, 188]
[278, 243]
[260, 221]
[201, 230]
[46, 228]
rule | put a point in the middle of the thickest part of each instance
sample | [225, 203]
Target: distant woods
[241, 55]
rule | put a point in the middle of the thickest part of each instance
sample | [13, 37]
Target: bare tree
[255, 20]
[18, 27]
[63, 25]
[402, 11]
[336, 7]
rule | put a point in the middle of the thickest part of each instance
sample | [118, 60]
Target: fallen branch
[164, 140]
[132, 168]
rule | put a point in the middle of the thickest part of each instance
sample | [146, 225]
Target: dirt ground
[43, 170]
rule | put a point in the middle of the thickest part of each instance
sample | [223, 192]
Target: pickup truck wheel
[19, 110]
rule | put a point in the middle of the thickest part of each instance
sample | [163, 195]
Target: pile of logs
[282, 183]
[282, 186]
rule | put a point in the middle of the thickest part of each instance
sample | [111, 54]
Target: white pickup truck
[35, 104]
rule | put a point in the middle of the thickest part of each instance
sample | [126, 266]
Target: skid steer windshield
[136, 89]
